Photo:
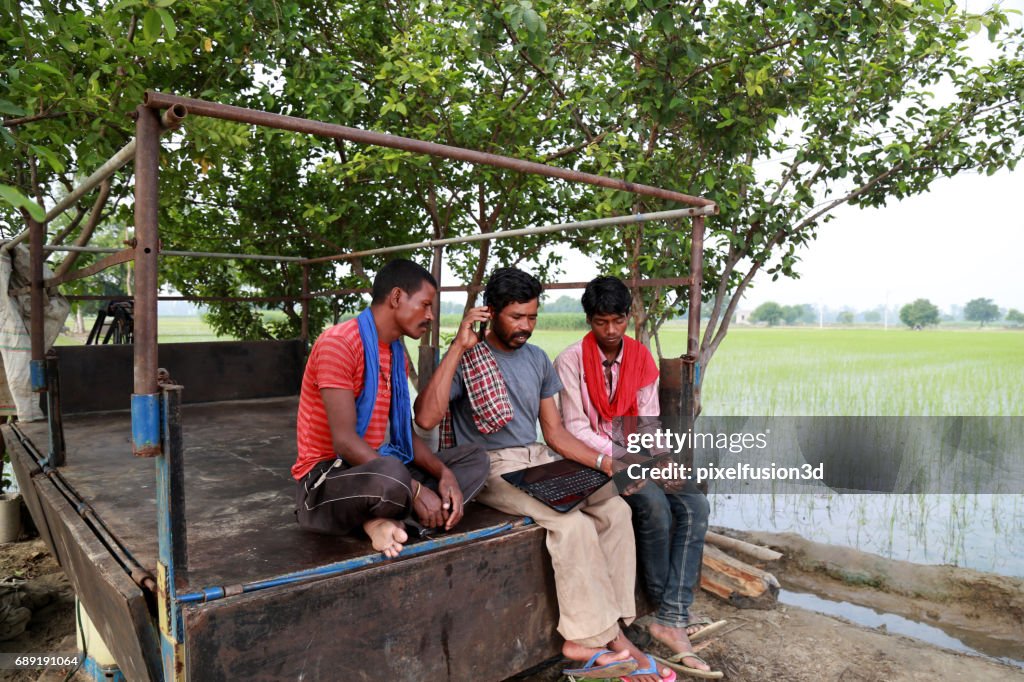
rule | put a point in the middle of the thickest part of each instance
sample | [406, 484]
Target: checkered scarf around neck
[485, 388]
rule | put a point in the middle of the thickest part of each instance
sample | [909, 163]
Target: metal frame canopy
[148, 130]
[155, 407]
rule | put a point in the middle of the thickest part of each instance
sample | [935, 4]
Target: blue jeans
[670, 530]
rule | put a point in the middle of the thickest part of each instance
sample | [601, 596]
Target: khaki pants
[593, 553]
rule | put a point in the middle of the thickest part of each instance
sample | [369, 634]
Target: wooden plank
[740, 584]
[476, 612]
[115, 604]
[754, 551]
[24, 465]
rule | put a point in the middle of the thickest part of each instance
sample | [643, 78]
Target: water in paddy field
[982, 532]
[890, 373]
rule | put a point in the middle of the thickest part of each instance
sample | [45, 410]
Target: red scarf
[637, 370]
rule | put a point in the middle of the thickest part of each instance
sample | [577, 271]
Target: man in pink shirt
[610, 389]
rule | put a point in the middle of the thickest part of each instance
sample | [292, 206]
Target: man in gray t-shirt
[592, 549]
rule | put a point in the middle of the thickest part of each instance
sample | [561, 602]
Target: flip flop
[707, 627]
[589, 671]
[651, 669]
[676, 663]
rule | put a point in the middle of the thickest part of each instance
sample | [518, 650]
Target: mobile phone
[482, 330]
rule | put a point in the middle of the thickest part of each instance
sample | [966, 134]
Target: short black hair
[606, 296]
[401, 273]
[510, 285]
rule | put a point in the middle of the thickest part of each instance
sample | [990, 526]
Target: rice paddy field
[875, 372]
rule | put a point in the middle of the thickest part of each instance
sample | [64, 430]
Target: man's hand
[633, 486]
[443, 508]
[427, 506]
[467, 337]
[451, 498]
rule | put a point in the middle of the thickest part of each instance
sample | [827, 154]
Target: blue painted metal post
[172, 567]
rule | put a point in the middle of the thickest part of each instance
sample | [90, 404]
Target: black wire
[85, 648]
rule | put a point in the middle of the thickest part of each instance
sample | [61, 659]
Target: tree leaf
[11, 108]
[168, 22]
[14, 197]
[151, 25]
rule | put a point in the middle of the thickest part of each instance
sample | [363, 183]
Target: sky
[962, 240]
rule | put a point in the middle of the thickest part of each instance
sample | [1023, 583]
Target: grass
[810, 371]
[169, 330]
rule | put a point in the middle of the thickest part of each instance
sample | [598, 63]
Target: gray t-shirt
[529, 378]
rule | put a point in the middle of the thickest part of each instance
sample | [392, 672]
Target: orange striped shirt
[337, 362]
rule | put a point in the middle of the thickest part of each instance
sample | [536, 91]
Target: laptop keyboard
[567, 486]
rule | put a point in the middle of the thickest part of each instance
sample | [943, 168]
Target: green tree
[770, 312]
[564, 304]
[873, 316]
[981, 310]
[919, 314]
[688, 95]
[845, 317]
[1015, 317]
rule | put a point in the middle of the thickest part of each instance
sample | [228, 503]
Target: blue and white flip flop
[590, 671]
[651, 669]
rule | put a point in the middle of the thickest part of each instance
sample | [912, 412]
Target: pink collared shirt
[580, 416]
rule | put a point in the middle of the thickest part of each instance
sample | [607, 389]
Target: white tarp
[16, 396]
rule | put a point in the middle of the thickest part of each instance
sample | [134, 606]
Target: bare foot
[578, 652]
[386, 535]
[677, 640]
[622, 642]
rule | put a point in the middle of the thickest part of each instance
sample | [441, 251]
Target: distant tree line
[773, 313]
[917, 315]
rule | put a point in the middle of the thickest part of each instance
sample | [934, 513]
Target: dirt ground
[785, 643]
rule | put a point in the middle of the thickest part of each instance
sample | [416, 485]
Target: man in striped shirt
[359, 464]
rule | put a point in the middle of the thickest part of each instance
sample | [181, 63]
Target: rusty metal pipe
[526, 231]
[172, 117]
[158, 100]
[196, 254]
[37, 237]
[696, 277]
[147, 247]
[653, 282]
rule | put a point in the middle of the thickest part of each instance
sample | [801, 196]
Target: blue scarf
[400, 414]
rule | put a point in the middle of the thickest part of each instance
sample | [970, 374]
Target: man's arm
[432, 402]
[574, 416]
[340, 404]
[564, 443]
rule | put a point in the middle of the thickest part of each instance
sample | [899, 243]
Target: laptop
[563, 484]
